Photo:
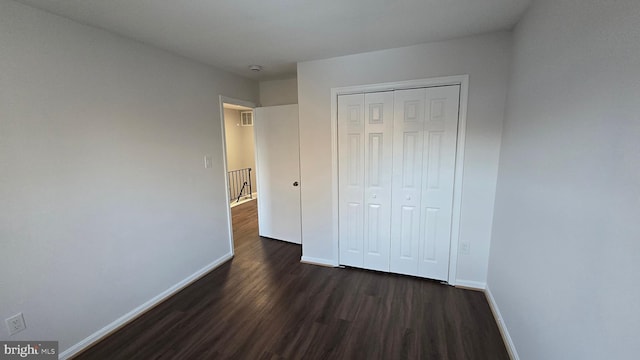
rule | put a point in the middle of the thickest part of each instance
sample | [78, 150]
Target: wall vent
[246, 118]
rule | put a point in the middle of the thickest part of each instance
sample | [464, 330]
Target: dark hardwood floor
[265, 304]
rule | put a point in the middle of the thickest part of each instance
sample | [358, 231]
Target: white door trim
[249, 104]
[463, 81]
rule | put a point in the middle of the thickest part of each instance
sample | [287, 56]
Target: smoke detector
[255, 68]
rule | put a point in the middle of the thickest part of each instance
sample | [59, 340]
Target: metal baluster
[250, 189]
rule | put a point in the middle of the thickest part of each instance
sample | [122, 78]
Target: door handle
[295, 183]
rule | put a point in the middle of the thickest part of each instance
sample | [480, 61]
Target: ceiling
[276, 34]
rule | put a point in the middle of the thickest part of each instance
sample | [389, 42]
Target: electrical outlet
[208, 161]
[464, 248]
[15, 324]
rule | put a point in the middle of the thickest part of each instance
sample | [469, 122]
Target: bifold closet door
[407, 179]
[365, 129]
[424, 152]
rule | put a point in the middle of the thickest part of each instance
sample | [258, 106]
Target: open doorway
[240, 167]
[241, 153]
[261, 159]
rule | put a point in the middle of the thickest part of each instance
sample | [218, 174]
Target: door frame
[229, 100]
[463, 82]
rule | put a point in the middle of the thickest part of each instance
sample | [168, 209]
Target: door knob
[295, 183]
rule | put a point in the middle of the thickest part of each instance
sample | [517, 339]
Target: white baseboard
[511, 348]
[317, 261]
[133, 314]
[475, 285]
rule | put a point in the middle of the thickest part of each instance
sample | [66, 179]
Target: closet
[396, 168]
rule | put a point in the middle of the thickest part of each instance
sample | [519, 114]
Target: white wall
[104, 199]
[279, 92]
[565, 254]
[241, 150]
[486, 60]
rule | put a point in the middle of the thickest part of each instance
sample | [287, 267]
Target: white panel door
[378, 140]
[438, 164]
[278, 172]
[424, 151]
[351, 145]
[397, 153]
[407, 180]
[365, 131]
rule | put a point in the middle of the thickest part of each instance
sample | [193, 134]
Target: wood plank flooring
[265, 304]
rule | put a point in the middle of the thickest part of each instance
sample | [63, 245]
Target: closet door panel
[439, 155]
[377, 182]
[351, 159]
[409, 108]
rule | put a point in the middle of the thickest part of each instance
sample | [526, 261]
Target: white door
[351, 179]
[365, 135]
[438, 174]
[424, 151]
[278, 172]
[407, 179]
[396, 164]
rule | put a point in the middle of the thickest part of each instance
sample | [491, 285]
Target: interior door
[396, 168]
[438, 174]
[424, 151]
[378, 142]
[365, 132]
[351, 179]
[407, 179]
[278, 172]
